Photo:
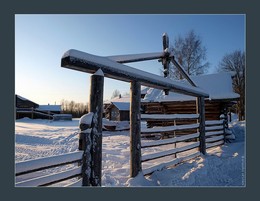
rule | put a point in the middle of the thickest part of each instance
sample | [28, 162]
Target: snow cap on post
[86, 121]
[99, 72]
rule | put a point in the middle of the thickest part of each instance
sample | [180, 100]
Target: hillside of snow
[221, 166]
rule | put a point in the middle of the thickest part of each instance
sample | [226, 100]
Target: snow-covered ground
[221, 166]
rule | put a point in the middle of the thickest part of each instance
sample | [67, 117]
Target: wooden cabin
[118, 111]
[221, 98]
[30, 109]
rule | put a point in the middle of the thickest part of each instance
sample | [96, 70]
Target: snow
[221, 166]
[22, 98]
[99, 72]
[218, 86]
[86, 118]
[123, 106]
[49, 108]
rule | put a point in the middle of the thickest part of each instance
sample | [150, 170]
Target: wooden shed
[118, 111]
[221, 98]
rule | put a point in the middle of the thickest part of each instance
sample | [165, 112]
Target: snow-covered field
[221, 166]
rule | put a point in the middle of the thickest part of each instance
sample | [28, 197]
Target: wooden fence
[201, 134]
[32, 172]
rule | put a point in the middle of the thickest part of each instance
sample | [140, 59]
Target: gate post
[85, 144]
[96, 107]
[200, 107]
[135, 129]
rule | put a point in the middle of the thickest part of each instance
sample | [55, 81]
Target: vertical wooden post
[96, 107]
[135, 129]
[85, 144]
[200, 107]
[32, 112]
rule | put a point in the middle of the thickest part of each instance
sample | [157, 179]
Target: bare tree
[235, 62]
[190, 54]
[115, 93]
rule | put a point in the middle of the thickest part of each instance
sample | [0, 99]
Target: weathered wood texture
[201, 110]
[135, 129]
[96, 106]
[213, 110]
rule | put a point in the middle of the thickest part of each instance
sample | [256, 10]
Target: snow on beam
[84, 62]
[43, 163]
[52, 178]
[168, 117]
[168, 128]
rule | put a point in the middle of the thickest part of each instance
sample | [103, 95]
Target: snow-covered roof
[123, 106]
[119, 99]
[218, 86]
[56, 108]
[22, 98]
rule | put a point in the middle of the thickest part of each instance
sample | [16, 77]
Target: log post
[85, 144]
[135, 129]
[96, 107]
[200, 107]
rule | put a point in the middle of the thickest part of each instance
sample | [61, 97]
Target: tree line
[74, 108]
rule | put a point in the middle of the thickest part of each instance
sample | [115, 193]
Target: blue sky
[41, 40]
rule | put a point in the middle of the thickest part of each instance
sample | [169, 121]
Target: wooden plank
[51, 179]
[169, 141]
[214, 133]
[29, 166]
[175, 161]
[96, 106]
[211, 128]
[88, 63]
[135, 129]
[169, 128]
[168, 117]
[214, 139]
[210, 145]
[201, 110]
[149, 157]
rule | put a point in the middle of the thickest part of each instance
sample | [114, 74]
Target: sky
[42, 39]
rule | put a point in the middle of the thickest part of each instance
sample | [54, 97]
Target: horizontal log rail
[169, 141]
[175, 161]
[168, 128]
[51, 178]
[149, 157]
[168, 117]
[31, 166]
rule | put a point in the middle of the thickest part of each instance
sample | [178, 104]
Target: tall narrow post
[135, 129]
[200, 107]
[96, 107]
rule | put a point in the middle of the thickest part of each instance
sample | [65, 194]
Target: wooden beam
[88, 63]
[135, 129]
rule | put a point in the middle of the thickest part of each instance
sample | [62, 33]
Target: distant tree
[115, 93]
[235, 62]
[190, 54]
[76, 109]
